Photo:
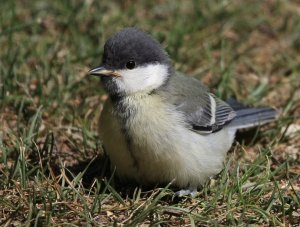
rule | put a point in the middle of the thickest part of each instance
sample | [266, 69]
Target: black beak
[102, 71]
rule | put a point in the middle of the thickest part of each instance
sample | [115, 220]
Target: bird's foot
[186, 192]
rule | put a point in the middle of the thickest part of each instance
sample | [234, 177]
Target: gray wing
[203, 111]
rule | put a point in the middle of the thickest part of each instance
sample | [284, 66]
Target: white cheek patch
[145, 78]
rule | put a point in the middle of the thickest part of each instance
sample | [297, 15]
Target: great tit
[159, 125]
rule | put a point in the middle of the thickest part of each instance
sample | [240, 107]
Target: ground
[53, 171]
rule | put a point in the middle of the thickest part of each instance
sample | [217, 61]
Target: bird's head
[133, 62]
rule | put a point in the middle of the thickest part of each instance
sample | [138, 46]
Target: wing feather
[203, 111]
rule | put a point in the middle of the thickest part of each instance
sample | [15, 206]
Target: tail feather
[251, 117]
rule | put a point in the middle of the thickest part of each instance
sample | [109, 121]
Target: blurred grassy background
[49, 109]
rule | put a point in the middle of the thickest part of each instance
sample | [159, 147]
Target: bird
[159, 125]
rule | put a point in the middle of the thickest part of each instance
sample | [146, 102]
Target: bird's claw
[186, 192]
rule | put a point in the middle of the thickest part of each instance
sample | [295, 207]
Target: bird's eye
[130, 65]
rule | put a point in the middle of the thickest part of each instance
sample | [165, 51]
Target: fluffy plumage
[158, 125]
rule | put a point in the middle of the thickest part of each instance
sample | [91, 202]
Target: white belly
[161, 147]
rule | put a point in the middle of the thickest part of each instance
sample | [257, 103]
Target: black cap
[132, 44]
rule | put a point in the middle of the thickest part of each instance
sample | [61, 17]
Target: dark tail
[249, 117]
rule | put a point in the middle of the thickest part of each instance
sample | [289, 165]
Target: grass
[53, 171]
